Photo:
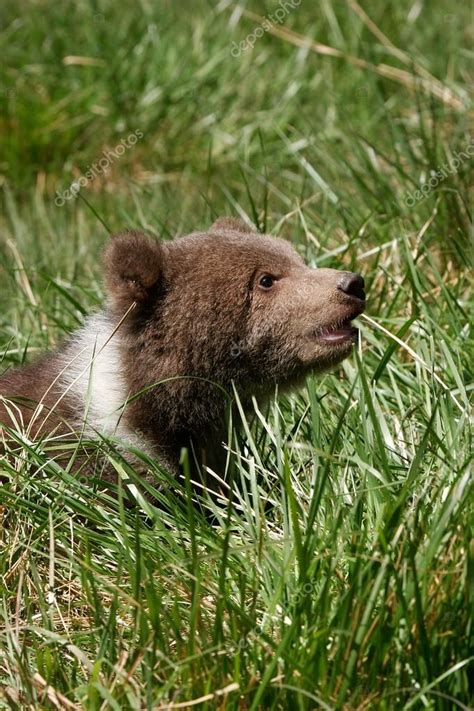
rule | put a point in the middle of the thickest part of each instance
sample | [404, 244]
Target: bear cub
[185, 323]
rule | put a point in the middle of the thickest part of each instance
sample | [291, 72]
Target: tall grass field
[337, 573]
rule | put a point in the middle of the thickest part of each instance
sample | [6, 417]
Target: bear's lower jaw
[322, 353]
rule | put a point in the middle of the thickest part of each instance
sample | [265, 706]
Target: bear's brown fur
[186, 322]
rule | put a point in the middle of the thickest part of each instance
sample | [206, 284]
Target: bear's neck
[116, 389]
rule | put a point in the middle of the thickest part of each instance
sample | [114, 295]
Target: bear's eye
[266, 281]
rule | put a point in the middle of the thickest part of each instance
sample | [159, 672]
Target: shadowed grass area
[336, 575]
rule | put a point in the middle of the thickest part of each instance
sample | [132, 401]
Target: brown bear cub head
[217, 309]
[186, 322]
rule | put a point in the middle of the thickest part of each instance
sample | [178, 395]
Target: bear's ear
[133, 267]
[232, 224]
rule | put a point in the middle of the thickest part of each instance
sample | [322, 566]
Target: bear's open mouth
[340, 332]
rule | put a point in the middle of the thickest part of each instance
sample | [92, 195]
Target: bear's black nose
[352, 285]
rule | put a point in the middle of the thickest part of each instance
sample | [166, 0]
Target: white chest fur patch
[93, 379]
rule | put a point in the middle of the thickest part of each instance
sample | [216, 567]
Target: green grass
[338, 576]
